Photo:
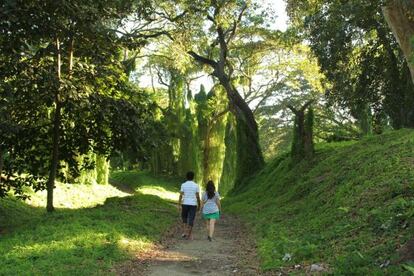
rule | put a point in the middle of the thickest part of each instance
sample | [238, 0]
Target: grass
[164, 187]
[351, 207]
[93, 229]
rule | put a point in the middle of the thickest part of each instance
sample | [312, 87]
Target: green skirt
[215, 215]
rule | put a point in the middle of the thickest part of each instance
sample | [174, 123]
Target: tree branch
[308, 103]
[202, 59]
[236, 22]
[302, 109]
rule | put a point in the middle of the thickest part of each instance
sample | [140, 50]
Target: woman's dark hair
[190, 176]
[210, 189]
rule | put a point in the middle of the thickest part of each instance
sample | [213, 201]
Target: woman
[211, 208]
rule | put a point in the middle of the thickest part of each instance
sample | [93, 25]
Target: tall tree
[222, 19]
[400, 17]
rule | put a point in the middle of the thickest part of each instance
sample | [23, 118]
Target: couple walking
[190, 202]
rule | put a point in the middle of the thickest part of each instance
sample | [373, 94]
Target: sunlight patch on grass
[134, 245]
[158, 191]
[75, 196]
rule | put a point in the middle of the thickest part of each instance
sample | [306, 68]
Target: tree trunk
[1, 164]
[402, 26]
[55, 156]
[56, 134]
[308, 135]
[249, 154]
[298, 145]
[365, 120]
[302, 144]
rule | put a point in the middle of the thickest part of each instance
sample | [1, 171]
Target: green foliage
[64, 89]
[350, 208]
[358, 54]
[409, 267]
[87, 241]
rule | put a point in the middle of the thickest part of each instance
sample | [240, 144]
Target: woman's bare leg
[208, 226]
[211, 230]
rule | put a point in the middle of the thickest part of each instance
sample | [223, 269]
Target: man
[189, 202]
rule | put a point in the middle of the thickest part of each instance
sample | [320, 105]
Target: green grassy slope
[351, 208]
[99, 227]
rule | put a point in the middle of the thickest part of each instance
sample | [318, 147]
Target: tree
[223, 19]
[65, 97]
[359, 56]
[399, 15]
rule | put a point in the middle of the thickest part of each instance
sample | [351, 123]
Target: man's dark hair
[190, 176]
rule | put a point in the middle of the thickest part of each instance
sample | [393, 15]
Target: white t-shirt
[189, 188]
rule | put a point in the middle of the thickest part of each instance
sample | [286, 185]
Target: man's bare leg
[185, 230]
[190, 230]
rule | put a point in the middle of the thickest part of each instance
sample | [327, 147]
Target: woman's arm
[201, 205]
[218, 204]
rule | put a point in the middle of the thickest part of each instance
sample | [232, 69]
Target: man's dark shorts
[188, 213]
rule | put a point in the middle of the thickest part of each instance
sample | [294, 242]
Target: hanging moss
[188, 155]
[102, 170]
[87, 171]
[190, 124]
[214, 146]
[228, 175]
[201, 111]
[91, 169]
[167, 158]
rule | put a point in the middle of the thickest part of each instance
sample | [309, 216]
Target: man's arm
[180, 199]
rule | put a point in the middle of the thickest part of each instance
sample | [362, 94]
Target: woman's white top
[210, 205]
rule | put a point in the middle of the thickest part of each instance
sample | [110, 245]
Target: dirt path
[230, 253]
[222, 256]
